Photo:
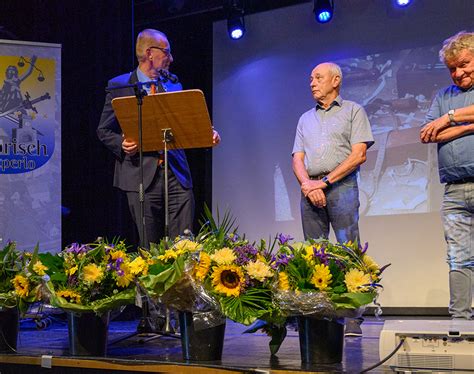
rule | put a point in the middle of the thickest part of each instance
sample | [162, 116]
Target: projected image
[396, 91]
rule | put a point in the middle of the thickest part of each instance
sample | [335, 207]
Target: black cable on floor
[402, 340]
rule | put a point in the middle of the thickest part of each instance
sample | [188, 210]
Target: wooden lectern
[168, 120]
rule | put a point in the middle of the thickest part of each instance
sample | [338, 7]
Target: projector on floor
[429, 344]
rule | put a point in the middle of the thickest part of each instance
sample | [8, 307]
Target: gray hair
[335, 70]
[453, 46]
[145, 40]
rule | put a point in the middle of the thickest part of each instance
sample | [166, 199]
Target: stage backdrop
[30, 144]
[390, 65]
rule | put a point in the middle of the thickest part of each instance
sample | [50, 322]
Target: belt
[318, 177]
[462, 180]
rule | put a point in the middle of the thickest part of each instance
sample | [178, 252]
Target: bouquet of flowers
[318, 278]
[217, 272]
[21, 274]
[94, 277]
[324, 279]
[234, 272]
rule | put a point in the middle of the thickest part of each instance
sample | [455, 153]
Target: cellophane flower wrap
[21, 275]
[95, 277]
[324, 279]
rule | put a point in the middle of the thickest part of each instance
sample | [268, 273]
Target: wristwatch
[452, 122]
[326, 181]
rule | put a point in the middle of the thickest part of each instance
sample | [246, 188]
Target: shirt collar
[337, 101]
[142, 77]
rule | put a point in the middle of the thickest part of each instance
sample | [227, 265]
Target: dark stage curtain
[97, 40]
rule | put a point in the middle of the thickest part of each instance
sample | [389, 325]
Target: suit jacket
[127, 168]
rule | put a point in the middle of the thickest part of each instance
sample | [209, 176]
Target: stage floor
[243, 353]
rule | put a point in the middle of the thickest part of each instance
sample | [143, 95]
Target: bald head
[146, 39]
[325, 82]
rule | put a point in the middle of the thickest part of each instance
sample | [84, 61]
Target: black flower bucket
[9, 323]
[200, 344]
[88, 333]
[321, 341]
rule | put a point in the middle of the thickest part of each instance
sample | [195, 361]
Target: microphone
[167, 76]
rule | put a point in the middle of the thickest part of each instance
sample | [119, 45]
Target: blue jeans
[341, 212]
[458, 214]
[458, 222]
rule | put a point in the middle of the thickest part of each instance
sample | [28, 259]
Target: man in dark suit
[154, 55]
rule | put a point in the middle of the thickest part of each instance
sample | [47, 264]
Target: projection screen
[390, 65]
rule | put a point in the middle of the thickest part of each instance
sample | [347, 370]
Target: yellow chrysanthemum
[371, 265]
[139, 265]
[224, 256]
[126, 277]
[92, 273]
[21, 284]
[258, 270]
[118, 254]
[228, 279]
[168, 255]
[186, 246]
[72, 270]
[70, 296]
[39, 268]
[202, 268]
[283, 283]
[321, 277]
[355, 280]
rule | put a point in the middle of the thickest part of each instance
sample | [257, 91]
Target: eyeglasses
[166, 51]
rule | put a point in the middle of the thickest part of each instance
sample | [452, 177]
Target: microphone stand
[146, 326]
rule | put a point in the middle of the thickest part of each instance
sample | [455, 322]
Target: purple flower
[77, 248]
[366, 246]
[118, 262]
[321, 255]
[245, 254]
[120, 273]
[281, 260]
[283, 239]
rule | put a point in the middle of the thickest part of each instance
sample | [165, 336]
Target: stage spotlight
[323, 10]
[235, 18]
[402, 3]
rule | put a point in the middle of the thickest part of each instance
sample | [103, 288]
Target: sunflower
[321, 277]
[356, 280]
[21, 284]
[283, 283]
[92, 273]
[39, 268]
[138, 266]
[228, 279]
[258, 270]
[69, 295]
[202, 268]
[223, 256]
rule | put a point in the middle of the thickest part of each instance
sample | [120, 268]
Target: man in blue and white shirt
[451, 125]
[331, 143]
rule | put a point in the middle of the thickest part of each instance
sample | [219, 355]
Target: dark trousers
[181, 208]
